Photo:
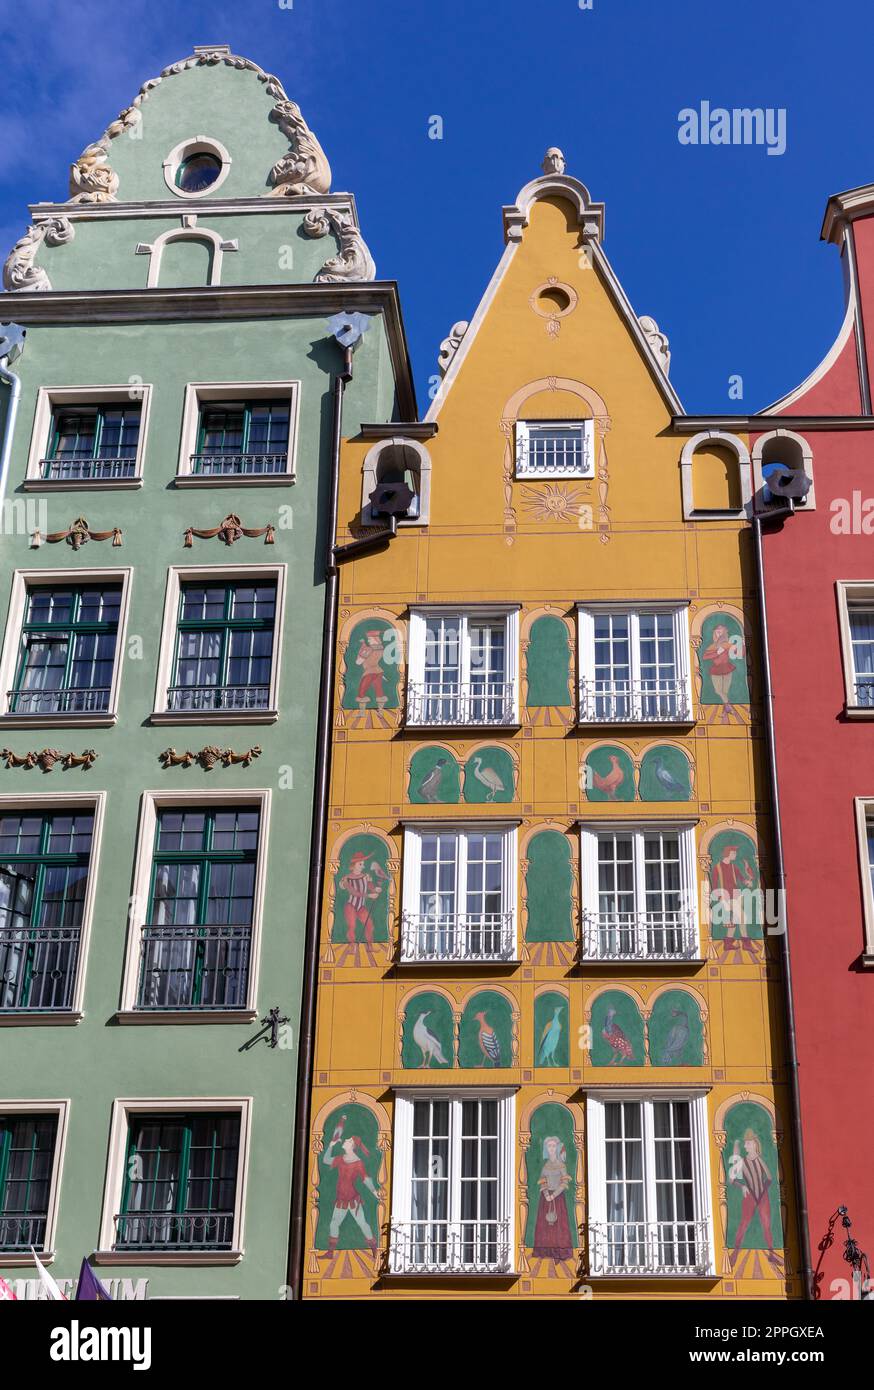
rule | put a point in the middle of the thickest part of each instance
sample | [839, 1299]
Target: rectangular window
[452, 1184]
[459, 895]
[634, 666]
[44, 864]
[27, 1160]
[862, 639]
[196, 945]
[224, 647]
[89, 442]
[639, 894]
[649, 1208]
[180, 1185]
[67, 650]
[462, 669]
[243, 438]
[554, 449]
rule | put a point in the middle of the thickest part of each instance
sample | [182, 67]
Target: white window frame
[526, 428]
[200, 393]
[22, 581]
[852, 593]
[60, 1109]
[402, 1166]
[122, 1111]
[864, 813]
[196, 144]
[590, 833]
[412, 877]
[52, 398]
[177, 575]
[507, 613]
[596, 1154]
[679, 612]
[151, 802]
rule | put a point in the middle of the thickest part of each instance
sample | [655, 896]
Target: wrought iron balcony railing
[233, 465]
[37, 967]
[161, 1230]
[864, 686]
[19, 1233]
[194, 967]
[634, 702]
[450, 1247]
[88, 470]
[458, 936]
[82, 700]
[478, 702]
[650, 1247]
[210, 697]
[639, 936]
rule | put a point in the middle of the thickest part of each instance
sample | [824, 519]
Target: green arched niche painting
[361, 891]
[489, 775]
[752, 1188]
[434, 777]
[608, 774]
[722, 661]
[426, 1038]
[548, 663]
[486, 1034]
[675, 1031]
[348, 1170]
[548, 887]
[551, 1030]
[617, 1031]
[736, 903]
[371, 666]
[551, 1165]
[665, 775]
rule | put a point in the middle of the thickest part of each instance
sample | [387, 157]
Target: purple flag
[89, 1286]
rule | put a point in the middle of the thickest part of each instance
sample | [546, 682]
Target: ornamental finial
[553, 161]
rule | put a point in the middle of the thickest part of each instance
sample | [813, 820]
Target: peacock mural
[617, 1034]
[551, 1030]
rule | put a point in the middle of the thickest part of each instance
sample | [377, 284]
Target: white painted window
[459, 893]
[554, 449]
[649, 1205]
[452, 1183]
[634, 665]
[463, 668]
[639, 899]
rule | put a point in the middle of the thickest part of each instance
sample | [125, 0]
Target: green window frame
[242, 437]
[27, 1159]
[44, 866]
[89, 442]
[197, 939]
[223, 655]
[180, 1181]
[67, 650]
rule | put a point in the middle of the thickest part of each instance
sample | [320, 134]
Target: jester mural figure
[348, 1165]
[748, 1171]
[361, 888]
[369, 657]
[733, 882]
[552, 1232]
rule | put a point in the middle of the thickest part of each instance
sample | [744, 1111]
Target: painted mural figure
[616, 1039]
[751, 1174]
[361, 889]
[552, 1233]
[731, 881]
[369, 657]
[719, 654]
[350, 1170]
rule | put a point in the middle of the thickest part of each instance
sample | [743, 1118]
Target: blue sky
[720, 244]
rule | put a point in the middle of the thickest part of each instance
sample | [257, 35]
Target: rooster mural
[608, 774]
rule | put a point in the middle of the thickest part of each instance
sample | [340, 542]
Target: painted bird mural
[489, 778]
[489, 1042]
[430, 785]
[427, 1043]
[616, 1039]
[666, 779]
[549, 1039]
[609, 782]
[676, 1040]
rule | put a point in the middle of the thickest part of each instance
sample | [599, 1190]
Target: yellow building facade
[549, 1057]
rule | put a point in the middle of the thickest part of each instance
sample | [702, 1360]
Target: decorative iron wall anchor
[230, 530]
[76, 535]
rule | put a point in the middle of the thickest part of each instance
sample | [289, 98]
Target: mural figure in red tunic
[362, 889]
[730, 882]
[369, 657]
[552, 1232]
[751, 1174]
[350, 1170]
[722, 668]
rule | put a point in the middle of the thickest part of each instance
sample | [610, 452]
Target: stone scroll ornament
[230, 530]
[77, 534]
[19, 271]
[47, 758]
[353, 261]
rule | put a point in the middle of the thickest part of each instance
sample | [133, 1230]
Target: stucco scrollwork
[19, 271]
[658, 341]
[305, 169]
[451, 344]
[353, 261]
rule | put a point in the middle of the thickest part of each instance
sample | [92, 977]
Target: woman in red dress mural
[552, 1232]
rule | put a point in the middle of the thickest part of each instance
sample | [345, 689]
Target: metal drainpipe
[14, 384]
[780, 881]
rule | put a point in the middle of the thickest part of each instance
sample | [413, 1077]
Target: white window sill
[202, 1016]
[214, 716]
[234, 480]
[25, 1260]
[82, 484]
[43, 1017]
[166, 1257]
[59, 721]
[859, 711]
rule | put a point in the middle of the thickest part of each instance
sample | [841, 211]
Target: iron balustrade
[450, 1247]
[19, 1233]
[458, 936]
[634, 702]
[188, 698]
[193, 967]
[234, 465]
[864, 686]
[81, 700]
[650, 1247]
[450, 703]
[38, 967]
[639, 935]
[162, 1230]
[88, 470]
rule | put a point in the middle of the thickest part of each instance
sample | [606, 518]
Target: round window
[198, 172]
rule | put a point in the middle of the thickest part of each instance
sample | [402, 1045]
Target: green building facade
[161, 604]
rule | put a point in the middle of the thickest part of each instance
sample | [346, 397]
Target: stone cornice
[217, 207]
